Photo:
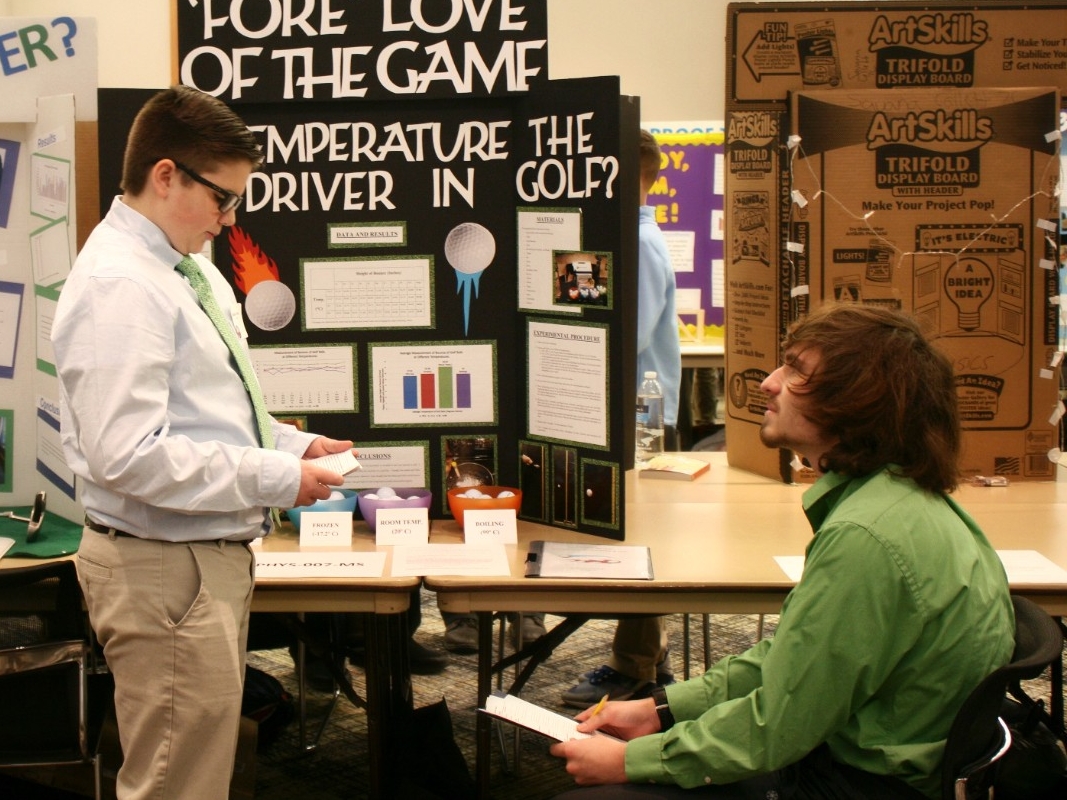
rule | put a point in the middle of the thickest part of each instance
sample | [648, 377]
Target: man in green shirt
[902, 609]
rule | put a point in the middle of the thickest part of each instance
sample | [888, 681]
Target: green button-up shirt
[902, 609]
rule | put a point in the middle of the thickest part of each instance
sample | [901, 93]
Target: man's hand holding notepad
[341, 463]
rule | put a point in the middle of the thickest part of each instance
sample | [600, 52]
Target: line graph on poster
[302, 379]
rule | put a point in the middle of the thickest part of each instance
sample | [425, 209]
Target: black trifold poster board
[448, 281]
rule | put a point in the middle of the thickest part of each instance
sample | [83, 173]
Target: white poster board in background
[48, 82]
[45, 56]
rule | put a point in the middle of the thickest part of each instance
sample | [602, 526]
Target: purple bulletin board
[686, 199]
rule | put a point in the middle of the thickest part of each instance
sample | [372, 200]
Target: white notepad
[520, 712]
[342, 463]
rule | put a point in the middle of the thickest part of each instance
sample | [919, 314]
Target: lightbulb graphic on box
[979, 304]
[968, 286]
[980, 291]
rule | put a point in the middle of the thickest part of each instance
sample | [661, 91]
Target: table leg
[389, 693]
[1056, 709]
[684, 424]
[308, 744]
[483, 723]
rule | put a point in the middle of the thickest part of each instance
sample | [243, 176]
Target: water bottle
[648, 437]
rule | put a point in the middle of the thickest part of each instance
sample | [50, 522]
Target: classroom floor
[338, 767]
[337, 770]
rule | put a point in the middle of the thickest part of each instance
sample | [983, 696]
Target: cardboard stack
[901, 155]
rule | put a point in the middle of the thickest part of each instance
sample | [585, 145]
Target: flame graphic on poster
[250, 264]
[270, 304]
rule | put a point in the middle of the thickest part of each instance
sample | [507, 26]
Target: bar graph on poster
[449, 383]
[306, 379]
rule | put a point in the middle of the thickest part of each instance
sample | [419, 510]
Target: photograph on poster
[565, 487]
[541, 232]
[582, 278]
[467, 463]
[600, 493]
[533, 480]
[298, 422]
[310, 379]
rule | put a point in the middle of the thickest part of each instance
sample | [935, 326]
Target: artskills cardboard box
[871, 57]
[776, 48]
[756, 205]
[939, 202]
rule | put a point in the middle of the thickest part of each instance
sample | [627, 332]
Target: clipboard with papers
[515, 710]
[573, 560]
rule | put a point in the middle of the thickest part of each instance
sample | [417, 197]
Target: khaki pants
[173, 620]
[640, 644]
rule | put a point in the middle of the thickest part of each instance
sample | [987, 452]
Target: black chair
[979, 738]
[52, 700]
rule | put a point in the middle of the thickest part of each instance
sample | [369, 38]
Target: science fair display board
[438, 257]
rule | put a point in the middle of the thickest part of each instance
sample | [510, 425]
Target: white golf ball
[470, 247]
[270, 305]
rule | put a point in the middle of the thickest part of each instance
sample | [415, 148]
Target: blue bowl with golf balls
[339, 500]
[370, 500]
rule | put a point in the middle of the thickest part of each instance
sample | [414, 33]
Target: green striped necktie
[191, 270]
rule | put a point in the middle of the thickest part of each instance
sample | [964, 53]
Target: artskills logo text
[959, 129]
[933, 152]
[929, 29]
[927, 49]
[752, 126]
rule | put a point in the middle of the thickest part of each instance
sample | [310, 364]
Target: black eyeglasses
[228, 201]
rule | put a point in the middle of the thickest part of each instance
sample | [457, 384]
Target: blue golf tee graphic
[469, 248]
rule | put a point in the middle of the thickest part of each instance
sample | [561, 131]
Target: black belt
[96, 526]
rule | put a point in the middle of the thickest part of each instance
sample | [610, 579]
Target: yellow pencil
[599, 706]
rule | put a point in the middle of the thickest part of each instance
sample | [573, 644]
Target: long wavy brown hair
[883, 391]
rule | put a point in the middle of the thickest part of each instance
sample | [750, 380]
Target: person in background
[639, 655]
[903, 607]
[178, 462]
[658, 346]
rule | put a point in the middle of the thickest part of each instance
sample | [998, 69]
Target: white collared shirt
[155, 419]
